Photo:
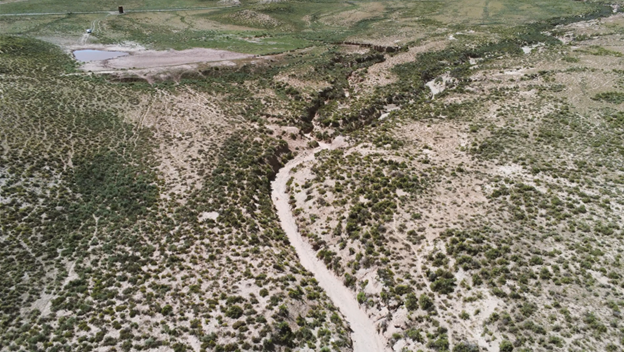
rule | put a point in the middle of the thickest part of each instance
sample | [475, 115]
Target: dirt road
[364, 335]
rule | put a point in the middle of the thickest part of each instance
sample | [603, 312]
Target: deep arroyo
[364, 334]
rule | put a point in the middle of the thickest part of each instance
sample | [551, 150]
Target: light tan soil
[380, 74]
[191, 126]
[152, 58]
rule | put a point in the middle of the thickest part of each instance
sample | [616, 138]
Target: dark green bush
[411, 302]
[425, 302]
[234, 312]
[505, 346]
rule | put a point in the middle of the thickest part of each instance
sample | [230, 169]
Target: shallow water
[97, 55]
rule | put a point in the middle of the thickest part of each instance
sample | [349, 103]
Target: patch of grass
[610, 97]
[600, 51]
[45, 6]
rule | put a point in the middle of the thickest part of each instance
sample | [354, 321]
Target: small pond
[97, 55]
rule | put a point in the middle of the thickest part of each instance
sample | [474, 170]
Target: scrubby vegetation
[97, 253]
[484, 215]
[500, 266]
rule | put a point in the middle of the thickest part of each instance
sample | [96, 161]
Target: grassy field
[10, 7]
[261, 28]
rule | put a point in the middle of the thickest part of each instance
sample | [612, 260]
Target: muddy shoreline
[149, 59]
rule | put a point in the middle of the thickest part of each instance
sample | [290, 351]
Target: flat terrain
[151, 58]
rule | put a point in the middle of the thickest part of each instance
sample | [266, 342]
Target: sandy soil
[192, 126]
[364, 335]
[438, 85]
[380, 74]
[153, 58]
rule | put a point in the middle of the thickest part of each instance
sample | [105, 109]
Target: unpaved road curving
[365, 337]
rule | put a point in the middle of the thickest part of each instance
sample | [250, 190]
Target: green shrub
[425, 302]
[441, 344]
[443, 281]
[414, 335]
[402, 289]
[166, 310]
[234, 312]
[411, 302]
[610, 97]
[465, 347]
[505, 346]
[361, 297]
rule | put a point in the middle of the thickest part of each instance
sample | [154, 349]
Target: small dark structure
[120, 9]
[379, 48]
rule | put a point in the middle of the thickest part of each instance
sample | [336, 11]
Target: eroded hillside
[140, 217]
[467, 190]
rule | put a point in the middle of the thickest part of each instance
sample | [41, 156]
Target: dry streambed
[364, 332]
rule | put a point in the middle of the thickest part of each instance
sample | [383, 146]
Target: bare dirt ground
[192, 126]
[380, 74]
[152, 58]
